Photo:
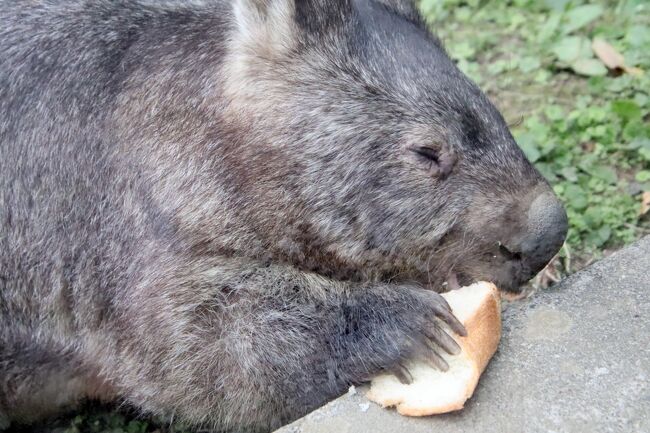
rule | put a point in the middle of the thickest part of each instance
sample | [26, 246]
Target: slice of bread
[432, 391]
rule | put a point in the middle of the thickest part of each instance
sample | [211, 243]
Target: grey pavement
[573, 359]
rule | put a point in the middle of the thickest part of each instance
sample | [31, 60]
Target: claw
[424, 352]
[402, 374]
[448, 317]
[437, 361]
[443, 340]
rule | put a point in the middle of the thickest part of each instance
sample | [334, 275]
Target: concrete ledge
[575, 358]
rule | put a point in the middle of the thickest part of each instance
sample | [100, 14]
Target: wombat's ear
[265, 26]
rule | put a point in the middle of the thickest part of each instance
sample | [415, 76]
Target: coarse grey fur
[228, 212]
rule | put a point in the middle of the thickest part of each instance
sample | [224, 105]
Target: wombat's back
[71, 205]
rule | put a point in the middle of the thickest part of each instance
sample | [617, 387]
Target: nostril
[530, 233]
[508, 254]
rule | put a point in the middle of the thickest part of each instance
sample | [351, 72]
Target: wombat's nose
[547, 227]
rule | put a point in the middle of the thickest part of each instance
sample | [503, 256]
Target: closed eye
[426, 152]
[438, 161]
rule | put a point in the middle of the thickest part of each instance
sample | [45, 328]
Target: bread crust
[483, 335]
[483, 331]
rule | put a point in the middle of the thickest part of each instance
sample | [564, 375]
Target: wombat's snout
[542, 236]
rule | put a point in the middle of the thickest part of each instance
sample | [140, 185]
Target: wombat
[227, 212]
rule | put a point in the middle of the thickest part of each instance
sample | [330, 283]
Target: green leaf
[644, 153]
[642, 100]
[554, 112]
[589, 67]
[549, 29]
[527, 143]
[570, 174]
[639, 143]
[548, 147]
[635, 128]
[626, 109]
[556, 5]
[547, 171]
[602, 235]
[499, 66]
[572, 48]
[542, 76]
[604, 173]
[642, 176]
[587, 161]
[462, 51]
[576, 196]
[463, 14]
[529, 64]
[638, 35]
[593, 217]
[580, 16]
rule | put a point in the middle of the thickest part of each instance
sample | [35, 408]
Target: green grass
[94, 418]
[586, 130]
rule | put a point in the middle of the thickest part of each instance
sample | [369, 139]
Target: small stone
[352, 390]
[364, 407]
[601, 371]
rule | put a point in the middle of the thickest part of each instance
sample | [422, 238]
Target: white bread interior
[432, 391]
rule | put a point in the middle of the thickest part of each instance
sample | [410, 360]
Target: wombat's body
[226, 212]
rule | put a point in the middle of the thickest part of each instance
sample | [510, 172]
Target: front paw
[393, 325]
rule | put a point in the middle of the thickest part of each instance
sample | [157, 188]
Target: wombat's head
[391, 162]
